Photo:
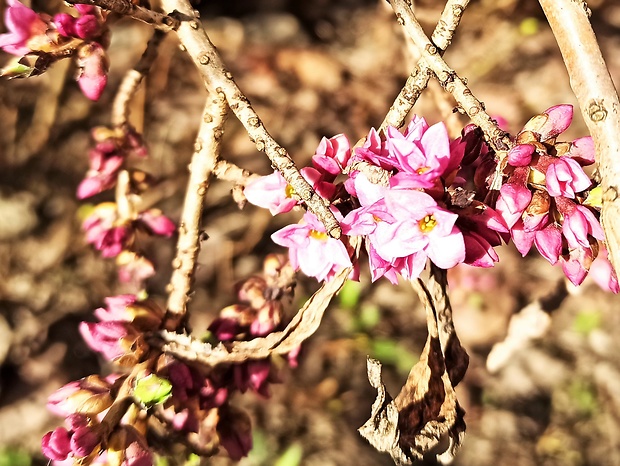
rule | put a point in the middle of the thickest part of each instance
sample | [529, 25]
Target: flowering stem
[419, 77]
[132, 79]
[448, 78]
[218, 79]
[204, 159]
[127, 8]
[598, 99]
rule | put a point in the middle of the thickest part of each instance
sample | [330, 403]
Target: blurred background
[311, 69]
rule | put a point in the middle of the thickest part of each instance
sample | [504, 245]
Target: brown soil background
[311, 69]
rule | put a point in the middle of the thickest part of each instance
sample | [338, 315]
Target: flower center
[318, 235]
[289, 191]
[427, 224]
[422, 170]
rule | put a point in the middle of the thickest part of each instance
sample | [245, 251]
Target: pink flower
[104, 168]
[104, 230]
[579, 223]
[422, 154]
[559, 118]
[79, 441]
[404, 229]
[311, 249]
[93, 67]
[107, 337]
[549, 242]
[582, 150]
[478, 251]
[521, 155]
[23, 24]
[157, 223]
[603, 273]
[332, 156]
[576, 264]
[134, 268]
[271, 192]
[513, 200]
[375, 151]
[56, 445]
[115, 308]
[565, 177]
[90, 396]
[253, 375]
[421, 226]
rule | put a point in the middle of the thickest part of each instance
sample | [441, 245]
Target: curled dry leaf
[425, 417]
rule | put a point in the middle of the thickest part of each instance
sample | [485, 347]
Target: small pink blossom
[582, 150]
[559, 119]
[513, 200]
[93, 67]
[422, 154]
[311, 249]
[156, 223]
[478, 251]
[23, 24]
[580, 223]
[107, 337]
[521, 155]
[603, 273]
[576, 264]
[271, 192]
[549, 242]
[565, 177]
[105, 231]
[253, 375]
[332, 156]
[56, 445]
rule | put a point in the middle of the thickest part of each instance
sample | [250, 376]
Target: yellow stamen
[318, 235]
[289, 191]
[422, 170]
[427, 224]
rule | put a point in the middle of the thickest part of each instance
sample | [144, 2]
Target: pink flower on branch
[311, 249]
[565, 177]
[23, 25]
[271, 192]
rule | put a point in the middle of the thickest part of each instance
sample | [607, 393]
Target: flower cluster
[112, 227]
[38, 40]
[112, 147]
[101, 427]
[546, 200]
[440, 201]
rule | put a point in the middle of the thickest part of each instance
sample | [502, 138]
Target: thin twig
[228, 171]
[448, 78]
[132, 79]
[419, 77]
[598, 99]
[203, 162]
[196, 42]
[127, 8]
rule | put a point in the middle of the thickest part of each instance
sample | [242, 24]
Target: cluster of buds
[548, 200]
[112, 148]
[107, 420]
[112, 227]
[38, 40]
[104, 422]
[440, 201]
